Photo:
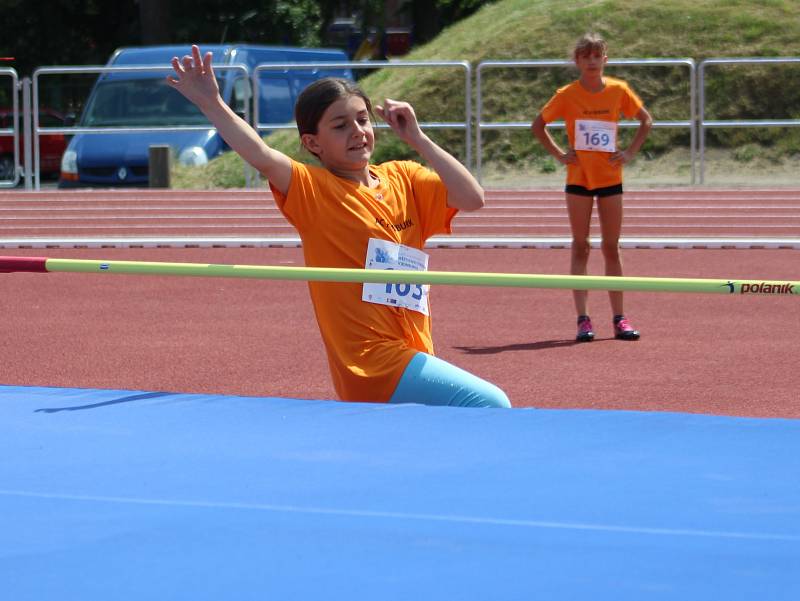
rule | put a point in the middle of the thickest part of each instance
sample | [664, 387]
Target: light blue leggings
[430, 381]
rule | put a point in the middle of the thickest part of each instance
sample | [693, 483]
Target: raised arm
[194, 78]
[463, 190]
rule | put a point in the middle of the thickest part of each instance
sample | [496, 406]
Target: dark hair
[318, 96]
[589, 44]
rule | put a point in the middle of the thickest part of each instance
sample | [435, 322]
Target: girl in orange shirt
[352, 214]
[590, 108]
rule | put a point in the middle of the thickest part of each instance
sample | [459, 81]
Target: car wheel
[6, 167]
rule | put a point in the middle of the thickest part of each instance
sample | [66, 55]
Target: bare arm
[463, 190]
[645, 124]
[539, 128]
[194, 78]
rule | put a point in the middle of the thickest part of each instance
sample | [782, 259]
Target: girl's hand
[401, 118]
[194, 78]
[569, 158]
[620, 157]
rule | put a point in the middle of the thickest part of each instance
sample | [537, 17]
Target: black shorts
[598, 192]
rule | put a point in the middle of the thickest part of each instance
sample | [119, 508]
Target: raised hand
[401, 118]
[463, 190]
[194, 78]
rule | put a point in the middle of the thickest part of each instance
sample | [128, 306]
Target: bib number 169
[596, 139]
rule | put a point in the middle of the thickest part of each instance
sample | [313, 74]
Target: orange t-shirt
[368, 345]
[573, 102]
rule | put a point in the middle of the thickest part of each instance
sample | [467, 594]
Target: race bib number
[383, 254]
[598, 136]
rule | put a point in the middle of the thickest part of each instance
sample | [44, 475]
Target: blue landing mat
[123, 495]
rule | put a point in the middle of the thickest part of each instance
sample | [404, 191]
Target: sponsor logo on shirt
[397, 227]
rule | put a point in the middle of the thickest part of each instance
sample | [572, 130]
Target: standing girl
[590, 108]
[352, 214]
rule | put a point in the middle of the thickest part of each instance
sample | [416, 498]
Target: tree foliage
[64, 32]
[86, 32]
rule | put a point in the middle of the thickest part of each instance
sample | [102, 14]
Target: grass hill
[547, 29]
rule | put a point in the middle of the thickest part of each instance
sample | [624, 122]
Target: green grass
[528, 29]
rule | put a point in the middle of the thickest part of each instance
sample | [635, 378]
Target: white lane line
[466, 242]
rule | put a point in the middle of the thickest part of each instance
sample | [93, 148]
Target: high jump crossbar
[386, 276]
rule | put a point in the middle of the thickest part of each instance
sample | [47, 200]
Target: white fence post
[13, 131]
[735, 122]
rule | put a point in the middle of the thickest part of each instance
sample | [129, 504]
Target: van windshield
[139, 103]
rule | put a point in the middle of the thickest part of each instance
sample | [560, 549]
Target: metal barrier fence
[685, 62]
[735, 122]
[465, 125]
[12, 131]
[697, 82]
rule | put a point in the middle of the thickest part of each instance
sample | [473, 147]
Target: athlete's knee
[610, 250]
[488, 396]
[431, 381]
[498, 400]
[581, 247]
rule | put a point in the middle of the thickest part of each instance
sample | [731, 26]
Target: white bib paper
[383, 254]
[598, 136]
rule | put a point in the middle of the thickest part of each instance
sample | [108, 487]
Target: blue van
[144, 99]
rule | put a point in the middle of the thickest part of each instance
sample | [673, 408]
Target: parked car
[51, 146]
[137, 99]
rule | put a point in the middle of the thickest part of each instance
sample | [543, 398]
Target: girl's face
[591, 63]
[345, 138]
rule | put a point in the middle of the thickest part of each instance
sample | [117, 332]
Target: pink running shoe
[623, 330]
[585, 331]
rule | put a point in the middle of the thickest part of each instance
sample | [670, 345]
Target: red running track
[240, 217]
[733, 355]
